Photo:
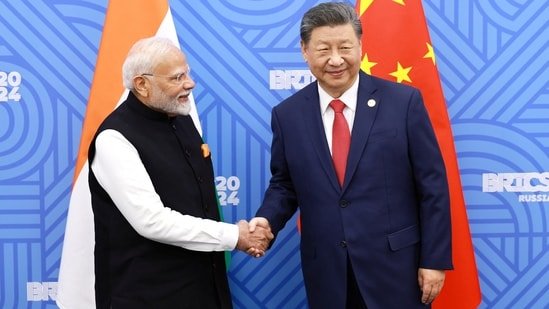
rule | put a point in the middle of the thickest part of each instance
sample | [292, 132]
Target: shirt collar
[349, 97]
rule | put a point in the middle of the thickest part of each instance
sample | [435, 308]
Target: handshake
[254, 237]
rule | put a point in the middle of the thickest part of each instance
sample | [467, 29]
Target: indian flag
[126, 22]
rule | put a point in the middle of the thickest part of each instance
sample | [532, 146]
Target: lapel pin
[205, 150]
[371, 103]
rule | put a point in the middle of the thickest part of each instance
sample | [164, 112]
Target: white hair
[143, 57]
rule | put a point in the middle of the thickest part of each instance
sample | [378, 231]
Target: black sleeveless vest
[132, 271]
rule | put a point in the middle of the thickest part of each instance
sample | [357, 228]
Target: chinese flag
[396, 46]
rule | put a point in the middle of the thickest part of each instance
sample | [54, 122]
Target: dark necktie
[341, 140]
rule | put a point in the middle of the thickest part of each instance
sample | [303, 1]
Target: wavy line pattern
[493, 60]
[53, 45]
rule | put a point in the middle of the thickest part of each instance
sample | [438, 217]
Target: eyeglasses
[175, 79]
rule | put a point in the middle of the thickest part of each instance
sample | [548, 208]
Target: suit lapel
[315, 127]
[364, 119]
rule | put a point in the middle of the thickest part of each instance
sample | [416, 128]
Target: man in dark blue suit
[376, 225]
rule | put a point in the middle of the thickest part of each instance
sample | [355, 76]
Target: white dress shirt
[121, 173]
[349, 97]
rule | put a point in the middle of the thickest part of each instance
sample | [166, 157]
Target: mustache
[184, 94]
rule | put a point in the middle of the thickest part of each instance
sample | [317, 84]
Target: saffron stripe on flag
[126, 22]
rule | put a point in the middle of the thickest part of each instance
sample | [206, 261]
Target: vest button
[343, 203]
[200, 179]
[343, 244]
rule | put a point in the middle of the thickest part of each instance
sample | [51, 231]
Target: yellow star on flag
[401, 73]
[364, 4]
[366, 65]
[401, 2]
[430, 53]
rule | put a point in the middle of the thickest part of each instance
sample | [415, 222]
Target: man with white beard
[158, 235]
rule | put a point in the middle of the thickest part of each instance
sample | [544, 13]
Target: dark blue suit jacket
[391, 216]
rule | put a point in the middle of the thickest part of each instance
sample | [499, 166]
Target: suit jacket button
[343, 244]
[343, 203]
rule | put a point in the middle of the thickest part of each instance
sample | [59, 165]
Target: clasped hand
[254, 238]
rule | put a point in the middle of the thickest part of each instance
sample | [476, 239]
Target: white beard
[183, 109]
[170, 105]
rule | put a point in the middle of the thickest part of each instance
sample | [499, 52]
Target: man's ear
[141, 86]
[304, 50]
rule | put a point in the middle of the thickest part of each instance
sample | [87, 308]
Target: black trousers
[354, 298]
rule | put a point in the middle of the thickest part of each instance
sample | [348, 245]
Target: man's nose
[335, 59]
[188, 84]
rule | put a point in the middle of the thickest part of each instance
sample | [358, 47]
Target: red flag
[396, 47]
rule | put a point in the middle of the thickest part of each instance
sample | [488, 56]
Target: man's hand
[430, 282]
[255, 242]
[259, 221]
[258, 224]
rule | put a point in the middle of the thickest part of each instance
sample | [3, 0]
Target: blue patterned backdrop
[493, 60]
